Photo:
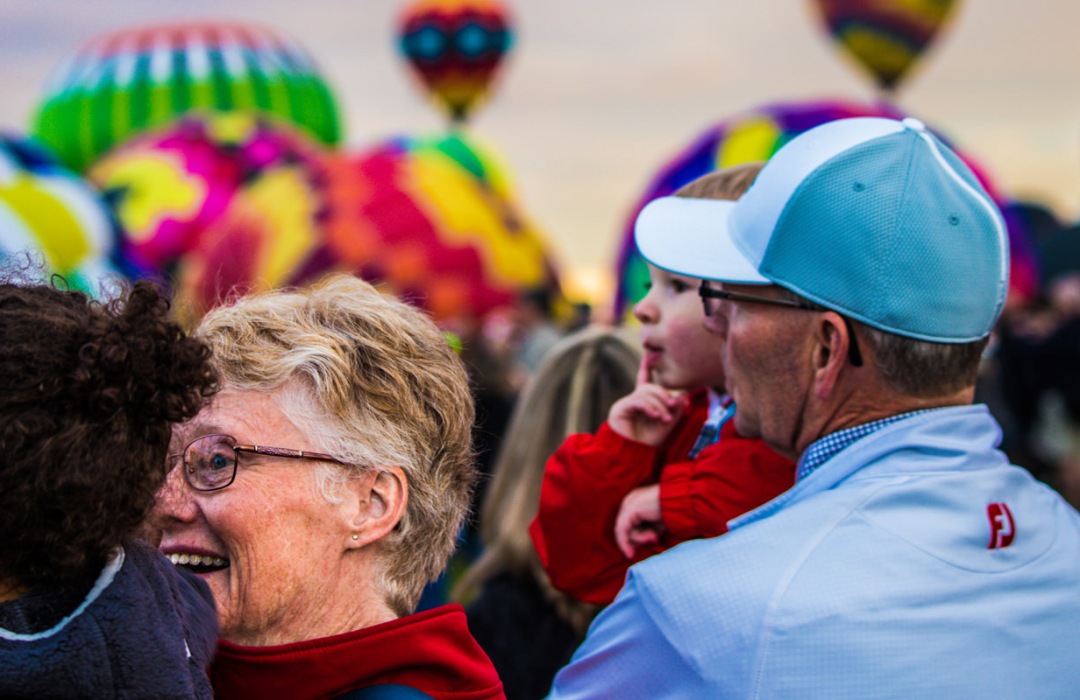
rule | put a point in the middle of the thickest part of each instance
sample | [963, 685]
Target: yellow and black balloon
[886, 38]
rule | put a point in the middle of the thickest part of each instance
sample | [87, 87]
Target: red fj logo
[1002, 526]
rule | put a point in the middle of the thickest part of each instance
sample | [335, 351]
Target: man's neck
[866, 407]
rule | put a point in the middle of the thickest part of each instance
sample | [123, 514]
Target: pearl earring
[355, 536]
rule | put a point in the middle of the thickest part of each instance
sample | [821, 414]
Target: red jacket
[431, 651]
[587, 478]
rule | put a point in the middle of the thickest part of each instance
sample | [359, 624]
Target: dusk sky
[597, 94]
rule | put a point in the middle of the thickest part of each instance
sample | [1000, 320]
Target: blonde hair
[727, 183]
[571, 392]
[376, 383]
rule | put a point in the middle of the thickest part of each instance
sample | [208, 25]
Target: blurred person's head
[325, 485]
[680, 352]
[534, 306]
[571, 392]
[89, 392]
[1064, 295]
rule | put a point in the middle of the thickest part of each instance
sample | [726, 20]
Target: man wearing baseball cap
[855, 285]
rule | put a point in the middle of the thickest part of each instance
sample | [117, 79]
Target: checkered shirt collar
[824, 449]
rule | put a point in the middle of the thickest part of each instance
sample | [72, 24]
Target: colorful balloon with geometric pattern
[270, 234]
[885, 37]
[172, 189]
[435, 221]
[54, 216]
[755, 135]
[132, 81]
[455, 47]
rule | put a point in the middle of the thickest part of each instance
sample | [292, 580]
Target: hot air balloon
[201, 201]
[455, 47]
[885, 37]
[755, 135]
[435, 221]
[122, 84]
[270, 235]
[52, 216]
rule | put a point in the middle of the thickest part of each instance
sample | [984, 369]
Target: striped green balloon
[125, 83]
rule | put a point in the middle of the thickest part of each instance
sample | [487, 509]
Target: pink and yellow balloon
[435, 221]
[232, 203]
[216, 202]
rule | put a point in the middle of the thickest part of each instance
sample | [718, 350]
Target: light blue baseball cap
[873, 218]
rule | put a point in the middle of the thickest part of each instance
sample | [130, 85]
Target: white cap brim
[692, 237]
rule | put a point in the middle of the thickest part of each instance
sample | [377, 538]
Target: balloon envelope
[214, 202]
[756, 135]
[884, 37]
[135, 80]
[229, 203]
[55, 216]
[434, 220]
[455, 47]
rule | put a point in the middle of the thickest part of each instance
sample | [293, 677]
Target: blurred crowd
[1031, 377]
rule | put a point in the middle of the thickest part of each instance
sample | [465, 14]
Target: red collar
[431, 651]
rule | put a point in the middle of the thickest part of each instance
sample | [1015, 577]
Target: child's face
[681, 353]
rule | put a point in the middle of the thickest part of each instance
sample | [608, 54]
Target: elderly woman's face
[269, 545]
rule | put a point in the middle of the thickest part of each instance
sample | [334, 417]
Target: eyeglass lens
[710, 297]
[210, 462]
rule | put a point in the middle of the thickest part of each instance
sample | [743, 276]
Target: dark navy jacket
[145, 630]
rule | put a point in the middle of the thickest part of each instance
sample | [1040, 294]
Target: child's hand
[638, 522]
[649, 413]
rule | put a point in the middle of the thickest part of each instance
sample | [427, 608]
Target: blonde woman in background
[529, 629]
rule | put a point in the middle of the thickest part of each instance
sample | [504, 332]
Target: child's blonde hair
[727, 183]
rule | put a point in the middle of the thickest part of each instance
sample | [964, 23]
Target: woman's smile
[198, 563]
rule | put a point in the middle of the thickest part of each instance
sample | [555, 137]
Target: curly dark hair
[88, 394]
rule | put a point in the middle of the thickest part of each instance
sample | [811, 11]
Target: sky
[596, 95]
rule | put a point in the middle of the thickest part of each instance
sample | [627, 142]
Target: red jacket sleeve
[728, 478]
[584, 484]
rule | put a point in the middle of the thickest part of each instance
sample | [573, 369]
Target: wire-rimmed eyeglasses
[706, 293]
[210, 460]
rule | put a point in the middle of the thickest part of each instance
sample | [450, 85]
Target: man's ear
[831, 343]
[378, 498]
